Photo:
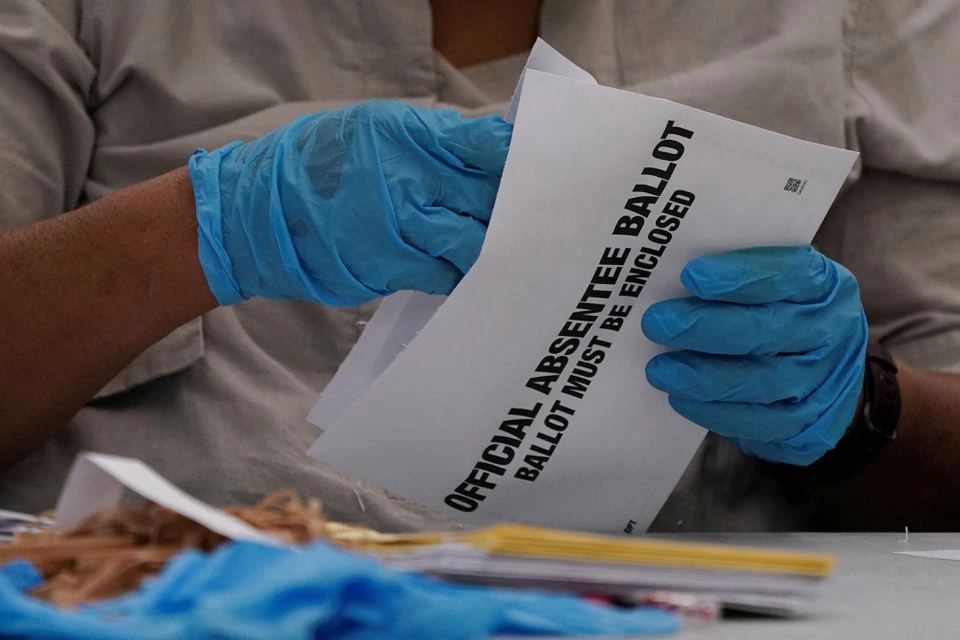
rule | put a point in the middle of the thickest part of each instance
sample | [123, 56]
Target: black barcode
[793, 185]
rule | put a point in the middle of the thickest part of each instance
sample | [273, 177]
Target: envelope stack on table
[740, 578]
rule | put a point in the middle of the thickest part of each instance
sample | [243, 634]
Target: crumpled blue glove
[245, 591]
[771, 350]
[348, 205]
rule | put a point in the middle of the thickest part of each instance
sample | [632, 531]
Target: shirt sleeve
[46, 131]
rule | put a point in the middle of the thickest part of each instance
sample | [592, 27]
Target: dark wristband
[874, 425]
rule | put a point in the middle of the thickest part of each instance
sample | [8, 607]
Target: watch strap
[874, 425]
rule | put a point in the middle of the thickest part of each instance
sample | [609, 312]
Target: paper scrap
[524, 397]
[942, 554]
[97, 481]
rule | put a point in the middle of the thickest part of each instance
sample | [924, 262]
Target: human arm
[84, 293]
[912, 481]
[338, 207]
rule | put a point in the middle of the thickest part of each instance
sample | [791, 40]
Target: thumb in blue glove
[348, 205]
[770, 351]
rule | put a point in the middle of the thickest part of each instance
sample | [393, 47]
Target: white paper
[424, 423]
[97, 480]
[941, 554]
[401, 316]
[458, 561]
[396, 322]
[545, 58]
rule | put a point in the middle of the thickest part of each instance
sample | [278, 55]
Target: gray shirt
[96, 95]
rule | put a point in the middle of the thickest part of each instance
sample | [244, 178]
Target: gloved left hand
[770, 351]
[348, 205]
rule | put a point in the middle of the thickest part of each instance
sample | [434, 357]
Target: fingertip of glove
[654, 373]
[647, 322]
[680, 407]
[662, 374]
[445, 279]
[653, 323]
[691, 278]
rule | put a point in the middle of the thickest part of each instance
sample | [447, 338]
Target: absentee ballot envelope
[524, 397]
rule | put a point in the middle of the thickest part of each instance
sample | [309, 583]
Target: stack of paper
[12, 522]
[522, 397]
[508, 555]
[766, 581]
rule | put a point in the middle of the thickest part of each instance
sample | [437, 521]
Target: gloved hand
[348, 205]
[771, 350]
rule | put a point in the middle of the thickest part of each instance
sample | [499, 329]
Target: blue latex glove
[349, 205]
[771, 350]
[245, 591]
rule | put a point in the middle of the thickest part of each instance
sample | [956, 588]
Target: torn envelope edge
[403, 315]
[97, 481]
[545, 58]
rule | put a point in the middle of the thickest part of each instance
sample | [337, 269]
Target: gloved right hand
[770, 350]
[344, 206]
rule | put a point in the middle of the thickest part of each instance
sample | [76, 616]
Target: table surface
[873, 594]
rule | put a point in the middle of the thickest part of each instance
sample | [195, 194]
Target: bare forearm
[914, 481]
[83, 294]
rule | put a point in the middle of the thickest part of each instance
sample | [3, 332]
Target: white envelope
[605, 196]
